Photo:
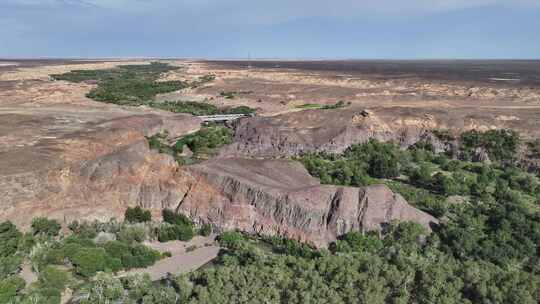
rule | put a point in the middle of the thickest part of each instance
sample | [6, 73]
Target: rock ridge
[302, 209]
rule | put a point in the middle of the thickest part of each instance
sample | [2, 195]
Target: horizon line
[8, 58]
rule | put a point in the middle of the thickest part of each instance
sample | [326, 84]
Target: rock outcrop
[73, 165]
[278, 197]
[328, 131]
[335, 130]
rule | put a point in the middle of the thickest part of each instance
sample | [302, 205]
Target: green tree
[206, 230]
[174, 218]
[52, 277]
[89, 261]
[423, 175]
[10, 288]
[10, 238]
[358, 242]
[104, 289]
[45, 226]
[137, 215]
[160, 295]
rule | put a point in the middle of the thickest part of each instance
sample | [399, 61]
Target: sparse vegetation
[233, 94]
[337, 105]
[198, 108]
[309, 106]
[202, 143]
[191, 107]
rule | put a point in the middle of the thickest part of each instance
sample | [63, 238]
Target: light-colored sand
[27, 274]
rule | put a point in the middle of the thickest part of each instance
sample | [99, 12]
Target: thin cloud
[223, 27]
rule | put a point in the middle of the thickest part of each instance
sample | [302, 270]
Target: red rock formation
[68, 169]
[277, 197]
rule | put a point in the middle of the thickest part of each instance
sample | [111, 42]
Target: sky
[310, 29]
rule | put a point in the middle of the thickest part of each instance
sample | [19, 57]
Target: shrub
[190, 107]
[26, 243]
[89, 261]
[228, 95]
[137, 215]
[420, 198]
[9, 265]
[174, 218]
[501, 145]
[184, 233]
[116, 249]
[407, 234]
[359, 242]
[337, 105]
[10, 238]
[137, 286]
[238, 110]
[382, 158]
[132, 256]
[44, 226]
[166, 233]
[132, 233]
[206, 230]
[103, 289]
[140, 256]
[52, 277]
[175, 232]
[104, 237]
[84, 230]
[292, 247]
[231, 239]
[422, 176]
[161, 295]
[44, 295]
[9, 288]
[205, 140]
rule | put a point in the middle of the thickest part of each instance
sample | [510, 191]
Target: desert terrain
[67, 156]
[360, 181]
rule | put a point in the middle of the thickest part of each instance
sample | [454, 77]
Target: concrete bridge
[226, 117]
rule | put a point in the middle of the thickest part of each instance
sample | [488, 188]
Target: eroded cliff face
[278, 197]
[335, 130]
[67, 157]
[69, 165]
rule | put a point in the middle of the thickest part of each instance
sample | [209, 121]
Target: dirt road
[182, 260]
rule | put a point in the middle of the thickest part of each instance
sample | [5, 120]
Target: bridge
[225, 117]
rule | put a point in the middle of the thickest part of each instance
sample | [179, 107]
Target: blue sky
[394, 29]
